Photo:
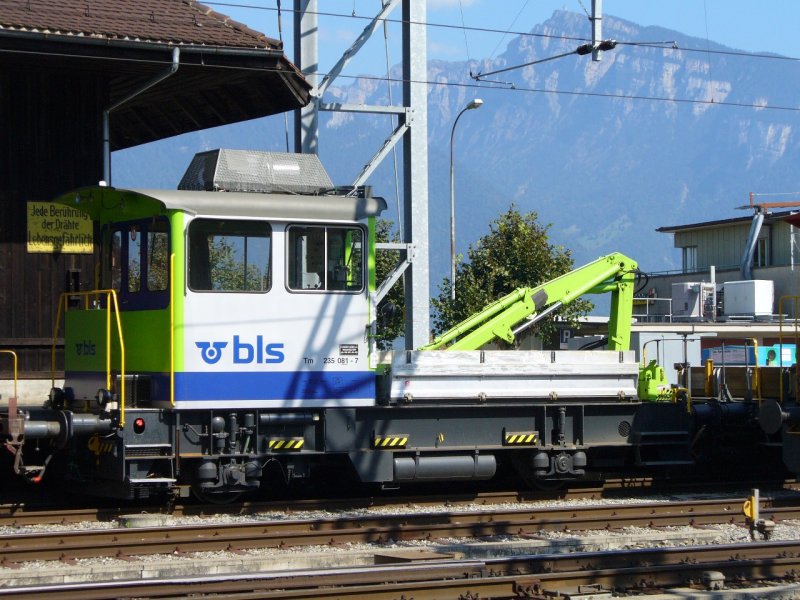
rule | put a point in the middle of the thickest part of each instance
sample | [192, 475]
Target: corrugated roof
[156, 21]
[770, 217]
[227, 72]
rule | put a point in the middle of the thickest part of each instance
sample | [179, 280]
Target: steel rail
[124, 543]
[15, 515]
[641, 571]
[20, 514]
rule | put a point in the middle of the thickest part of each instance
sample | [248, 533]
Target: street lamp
[476, 103]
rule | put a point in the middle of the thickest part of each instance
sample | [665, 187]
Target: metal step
[661, 438]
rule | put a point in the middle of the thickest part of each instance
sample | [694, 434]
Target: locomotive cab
[237, 310]
[220, 325]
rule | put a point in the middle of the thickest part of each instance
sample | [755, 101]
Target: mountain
[606, 152]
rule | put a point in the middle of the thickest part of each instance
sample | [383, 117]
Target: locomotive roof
[107, 204]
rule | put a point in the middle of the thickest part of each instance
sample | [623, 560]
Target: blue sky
[766, 25]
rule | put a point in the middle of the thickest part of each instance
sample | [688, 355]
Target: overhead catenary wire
[392, 124]
[479, 76]
[760, 55]
[708, 48]
[464, 28]
[580, 50]
[286, 114]
[491, 55]
[477, 85]
[166, 21]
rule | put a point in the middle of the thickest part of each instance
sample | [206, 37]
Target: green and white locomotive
[227, 343]
[210, 302]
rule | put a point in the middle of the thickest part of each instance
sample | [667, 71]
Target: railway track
[535, 577]
[237, 537]
[21, 514]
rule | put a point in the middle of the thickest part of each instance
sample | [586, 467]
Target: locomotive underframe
[221, 452]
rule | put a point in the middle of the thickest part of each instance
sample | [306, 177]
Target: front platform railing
[91, 300]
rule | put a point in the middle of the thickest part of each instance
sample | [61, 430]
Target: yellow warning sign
[58, 228]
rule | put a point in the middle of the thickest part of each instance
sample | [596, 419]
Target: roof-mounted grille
[253, 171]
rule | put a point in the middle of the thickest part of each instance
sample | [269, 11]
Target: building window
[689, 259]
[761, 255]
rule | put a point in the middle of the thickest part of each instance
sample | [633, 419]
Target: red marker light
[138, 425]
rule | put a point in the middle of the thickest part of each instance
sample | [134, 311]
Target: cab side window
[158, 256]
[136, 263]
[325, 259]
[115, 260]
[134, 259]
[229, 255]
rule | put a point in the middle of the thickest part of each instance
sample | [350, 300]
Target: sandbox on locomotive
[229, 342]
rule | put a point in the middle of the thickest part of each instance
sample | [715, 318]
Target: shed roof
[162, 21]
[171, 21]
[228, 72]
[770, 217]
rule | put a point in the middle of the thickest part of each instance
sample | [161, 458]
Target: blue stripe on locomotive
[222, 386]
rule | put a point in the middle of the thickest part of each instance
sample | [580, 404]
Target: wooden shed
[62, 66]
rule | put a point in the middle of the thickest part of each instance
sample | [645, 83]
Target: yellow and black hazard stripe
[520, 438]
[286, 444]
[391, 441]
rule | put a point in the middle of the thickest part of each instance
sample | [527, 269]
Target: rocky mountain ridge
[604, 151]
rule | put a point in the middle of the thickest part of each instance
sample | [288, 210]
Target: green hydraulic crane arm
[614, 273]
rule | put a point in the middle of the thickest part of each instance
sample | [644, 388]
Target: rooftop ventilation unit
[693, 300]
[224, 170]
[752, 298]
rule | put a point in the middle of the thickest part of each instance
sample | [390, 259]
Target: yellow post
[755, 383]
[113, 296]
[708, 382]
[108, 341]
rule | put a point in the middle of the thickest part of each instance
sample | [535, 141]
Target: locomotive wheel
[220, 497]
[528, 475]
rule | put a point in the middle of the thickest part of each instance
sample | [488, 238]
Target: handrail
[755, 384]
[647, 302]
[752, 372]
[14, 357]
[111, 298]
[780, 338]
[172, 329]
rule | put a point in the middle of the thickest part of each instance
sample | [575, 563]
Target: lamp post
[476, 103]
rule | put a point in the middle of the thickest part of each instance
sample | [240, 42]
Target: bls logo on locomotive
[243, 353]
[85, 348]
[211, 352]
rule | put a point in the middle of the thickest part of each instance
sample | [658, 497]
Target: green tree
[515, 253]
[390, 310]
